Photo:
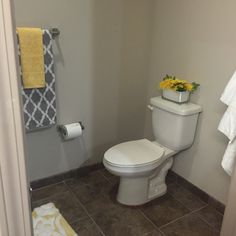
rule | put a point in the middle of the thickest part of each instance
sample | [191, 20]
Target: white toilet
[142, 165]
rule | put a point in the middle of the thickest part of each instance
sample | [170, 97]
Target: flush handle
[150, 107]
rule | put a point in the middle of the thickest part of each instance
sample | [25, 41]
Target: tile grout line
[194, 211]
[215, 209]
[189, 192]
[149, 220]
[48, 185]
[179, 184]
[206, 204]
[105, 177]
[49, 197]
[190, 211]
[188, 214]
[211, 226]
[86, 211]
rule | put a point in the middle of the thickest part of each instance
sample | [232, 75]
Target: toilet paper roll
[71, 131]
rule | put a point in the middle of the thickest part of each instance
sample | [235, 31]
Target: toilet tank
[174, 125]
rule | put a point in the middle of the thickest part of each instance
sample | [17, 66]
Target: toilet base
[135, 191]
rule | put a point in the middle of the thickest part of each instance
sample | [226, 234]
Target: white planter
[174, 96]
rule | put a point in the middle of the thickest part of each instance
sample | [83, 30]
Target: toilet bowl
[142, 165]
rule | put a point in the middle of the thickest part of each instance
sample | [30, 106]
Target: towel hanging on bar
[39, 105]
[32, 58]
[227, 125]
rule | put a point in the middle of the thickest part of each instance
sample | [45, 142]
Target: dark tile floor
[89, 205]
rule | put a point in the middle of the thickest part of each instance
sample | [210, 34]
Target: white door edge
[16, 214]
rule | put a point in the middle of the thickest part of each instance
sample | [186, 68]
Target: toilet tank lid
[184, 109]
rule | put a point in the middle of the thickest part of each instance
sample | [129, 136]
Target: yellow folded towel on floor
[47, 220]
[32, 57]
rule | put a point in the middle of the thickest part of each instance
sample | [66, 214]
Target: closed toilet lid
[134, 153]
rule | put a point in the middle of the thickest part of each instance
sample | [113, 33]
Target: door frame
[15, 211]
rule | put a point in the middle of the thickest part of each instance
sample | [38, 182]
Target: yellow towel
[32, 57]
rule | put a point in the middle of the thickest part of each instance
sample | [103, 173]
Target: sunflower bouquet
[175, 84]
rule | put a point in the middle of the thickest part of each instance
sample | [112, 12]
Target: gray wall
[196, 40]
[101, 60]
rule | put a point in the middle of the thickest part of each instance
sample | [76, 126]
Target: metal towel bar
[55, 32]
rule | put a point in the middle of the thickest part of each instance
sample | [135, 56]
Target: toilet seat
[133, 154]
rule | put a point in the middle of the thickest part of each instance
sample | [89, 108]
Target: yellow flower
[173, 83]
[188, 87]
[165, 84]
[180, 81]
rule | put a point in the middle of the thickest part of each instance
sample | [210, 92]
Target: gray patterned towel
[39, 104]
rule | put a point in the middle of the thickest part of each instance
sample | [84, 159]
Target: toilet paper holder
[60, 130]
[82, 126]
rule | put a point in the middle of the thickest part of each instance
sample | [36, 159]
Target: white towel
[229, 158]
[228, 124]
[228, 97]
